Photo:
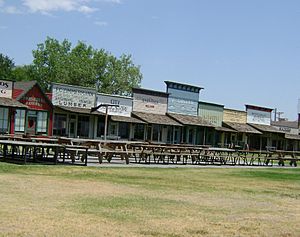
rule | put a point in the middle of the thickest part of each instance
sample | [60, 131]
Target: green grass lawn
[90, 201]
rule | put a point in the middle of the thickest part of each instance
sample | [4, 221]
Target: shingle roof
[156, 118]
[223, 129]
[125, 119]
[292, 136]
[22, 87]
[242, 127]
[78, 110]
[7, 102]
[190, 120]
[265, 128]
[289, 124]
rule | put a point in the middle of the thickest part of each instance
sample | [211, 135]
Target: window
[124, 130]
[42, 122]
[20, 120]
[83, 126]
[3, 120]
[100, 126]
[113, 129]
[139, 131]
[60, 125]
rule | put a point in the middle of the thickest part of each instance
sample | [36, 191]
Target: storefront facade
[213, 113]
[260, 118]
[121, 124]
[183, 98]
[72, 111]
[9, 107]
[151, 107]
[183, 105]
[38, 119]
[237, 120]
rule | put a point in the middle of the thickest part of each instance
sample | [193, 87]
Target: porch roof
[78, 110]
[7, 102]
[265, 128]
[292, 136]
[125, 119]
[190, 120]
[224, 129]
[156, 118]
[242, 127]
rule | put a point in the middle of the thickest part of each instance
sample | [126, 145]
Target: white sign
[149, 103]
[72, 96]
[123, 108]
[6, 89]
[258, 117]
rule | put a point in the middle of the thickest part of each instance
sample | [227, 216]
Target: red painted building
[37, 119]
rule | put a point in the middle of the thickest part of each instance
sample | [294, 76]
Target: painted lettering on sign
[258, 117]
[124, 107]
[72, 97]
[6, 89]
[34, 101]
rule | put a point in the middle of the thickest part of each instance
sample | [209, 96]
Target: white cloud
[3, 27]
[110, 1]
[101, 23]
[46, 6]
[86, 9]
[11, 10]
[1, 3]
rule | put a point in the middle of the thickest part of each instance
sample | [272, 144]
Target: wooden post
[105, 126]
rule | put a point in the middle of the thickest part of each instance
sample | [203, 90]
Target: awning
[292, 136]
[242, 127]
[125, 119]
[156, 118]
[265, 128]
[78, 110]
[190, 120]
[7, 102]
[223, 129]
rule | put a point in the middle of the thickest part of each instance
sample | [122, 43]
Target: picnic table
[24, 151]
[107, 149]
[164, 153]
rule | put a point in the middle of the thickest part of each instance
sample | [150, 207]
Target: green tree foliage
[6, 67]
[23, 73]
[83, 65]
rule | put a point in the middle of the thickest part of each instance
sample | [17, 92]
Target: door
[31, 122]
[72, 126]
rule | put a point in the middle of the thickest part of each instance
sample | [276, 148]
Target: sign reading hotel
[149, 101]
[258, 115]
[123, 108]
[6, 89]
[71, 96]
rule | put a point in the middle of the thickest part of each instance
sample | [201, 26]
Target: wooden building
[237, 120]
[9, 108]
[38, 118]
[151, 107]
[183, 105]
[72, 111]
[260, 118]
[291, 130]
[213, 113]
[121, 124]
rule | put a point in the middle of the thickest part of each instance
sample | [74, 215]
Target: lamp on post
[106, 114]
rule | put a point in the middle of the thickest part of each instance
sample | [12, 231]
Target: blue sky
[241, 52]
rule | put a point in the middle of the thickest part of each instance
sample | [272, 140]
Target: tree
[6, 67]
[84, 66]
[24, 73]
